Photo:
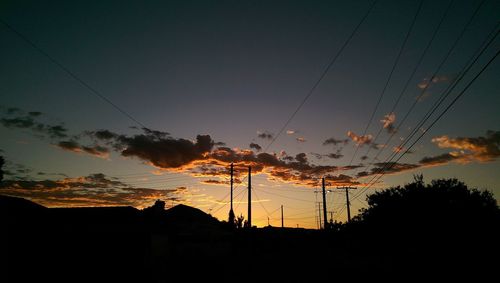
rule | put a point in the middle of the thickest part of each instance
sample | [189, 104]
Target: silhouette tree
[2, 162]
[442, 202]
[240, 221]
[443, 224]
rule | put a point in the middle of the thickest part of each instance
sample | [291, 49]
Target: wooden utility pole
[249, 216]
[325, 220]
[232, 172]
[347, 201]
[282, 222]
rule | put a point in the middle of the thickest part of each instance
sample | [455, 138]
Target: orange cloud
[360, 140]
[481, 149]
[92, 190]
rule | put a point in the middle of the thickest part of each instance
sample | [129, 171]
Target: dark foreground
[184, 244]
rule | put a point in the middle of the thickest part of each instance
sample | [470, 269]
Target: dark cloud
[334, 155]
[215, 182]
[255, 146]
[334, 141]
[165, 152]
[265, 135]
[73, 146]
[301, 158]
[340, 180]
[156, 133]
[103, 134]
[30, 122]
[437, 160]
[34, 113]
[364, 157]
[388, 168]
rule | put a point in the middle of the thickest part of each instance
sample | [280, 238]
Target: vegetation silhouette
[444, 224]
[442, 228]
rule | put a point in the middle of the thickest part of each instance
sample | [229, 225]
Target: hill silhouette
[440, 229]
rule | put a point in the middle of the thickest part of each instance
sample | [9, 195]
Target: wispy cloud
[291, 132]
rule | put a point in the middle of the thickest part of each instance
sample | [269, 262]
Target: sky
[114, 103]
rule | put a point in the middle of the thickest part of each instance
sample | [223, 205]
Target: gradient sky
[233, 70]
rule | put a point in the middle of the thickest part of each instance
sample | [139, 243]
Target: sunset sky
[103, 103]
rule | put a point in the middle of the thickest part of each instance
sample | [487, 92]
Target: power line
[438, 69]
[407, 83]
[396, 61]
[391, 164]
[283, 196]
[454, 45]
[72, 74]
[330, 64]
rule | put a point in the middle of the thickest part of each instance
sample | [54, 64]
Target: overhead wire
[389, 162]
[394, 65]
[322, 76]
[72, 74]
[438, 69]
[410, 78]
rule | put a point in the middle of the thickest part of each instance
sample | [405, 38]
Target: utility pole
[232, 188]
[231, 211]
[325, 225]
[347, 201]
[249, 216]
[282, 223]
[319, 215]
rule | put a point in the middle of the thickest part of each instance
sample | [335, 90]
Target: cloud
[425, 83]
[360, 140]
[255, 146]
[364, 157]
[264, 135]
[73, 146]
[388, 122]
[300, 139]
[437, 160]
[388, 168]
[92, 190]
[291, 132]
[335, 141]
[164, 152]
[481, 149]
[340, 180]
[334, 155]
[30, 121]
